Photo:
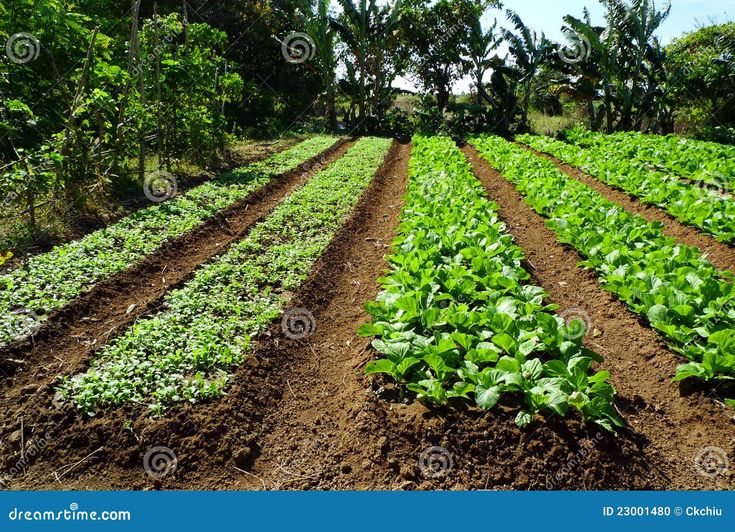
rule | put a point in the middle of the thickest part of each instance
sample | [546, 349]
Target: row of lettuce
[458, 317]
[708, 163]
[709, 210]
[185, 352]
[49, 281]
[671, 285]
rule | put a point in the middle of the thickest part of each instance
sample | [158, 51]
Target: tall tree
[438, 33]
[321, 31]
[529, 50]
[637, 24]
[366, 28]
[481, 44]
[622, 60]
[701, 84]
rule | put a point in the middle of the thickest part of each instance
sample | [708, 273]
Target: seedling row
[186, 351]
[51, 280]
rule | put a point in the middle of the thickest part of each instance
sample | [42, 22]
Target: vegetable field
[366, 245]
[400, 312]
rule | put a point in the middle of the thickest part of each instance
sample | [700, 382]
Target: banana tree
[637, 23]
[366, 29]
[482, 43]
[529, 50]
[319, 27]
[591, 66]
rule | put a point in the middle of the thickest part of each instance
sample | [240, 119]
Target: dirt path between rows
[676, 428]
[718, 253]
[70, 336]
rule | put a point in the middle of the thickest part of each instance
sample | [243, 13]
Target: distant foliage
[83, 93]
[706, 59]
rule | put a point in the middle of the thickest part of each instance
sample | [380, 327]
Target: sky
[547, 15]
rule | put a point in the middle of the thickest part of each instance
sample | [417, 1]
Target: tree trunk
[442, 98]
[361, 103]
[135, 46]
[592, 115]
[126, 91]
[526, 105]
[32, 212]
[608, 110]
[331, 109]
[159, 103]
[71, 123]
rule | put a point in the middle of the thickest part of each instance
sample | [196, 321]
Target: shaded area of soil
[69, 336]
[718, 253]
[675, 427]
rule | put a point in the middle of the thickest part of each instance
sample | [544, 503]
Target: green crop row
[705, 162]
[204, 329]
[707, 210]
[49, 281]
[457, 317]
[672, 285]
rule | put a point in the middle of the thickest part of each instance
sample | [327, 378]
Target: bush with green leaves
[49, 281]
[458, 317]
[184, 352]
[708, 210]
[673, 286]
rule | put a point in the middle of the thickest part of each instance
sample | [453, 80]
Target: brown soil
[70, 335]
[302, 414]
[675, 427]
[718, 253]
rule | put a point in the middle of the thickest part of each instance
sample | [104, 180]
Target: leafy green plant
[708, 210]
[457, 317]
[707, 163]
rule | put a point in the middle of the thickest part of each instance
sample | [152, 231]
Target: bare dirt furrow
[718, 253]
[674, 427]
[68, 337]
